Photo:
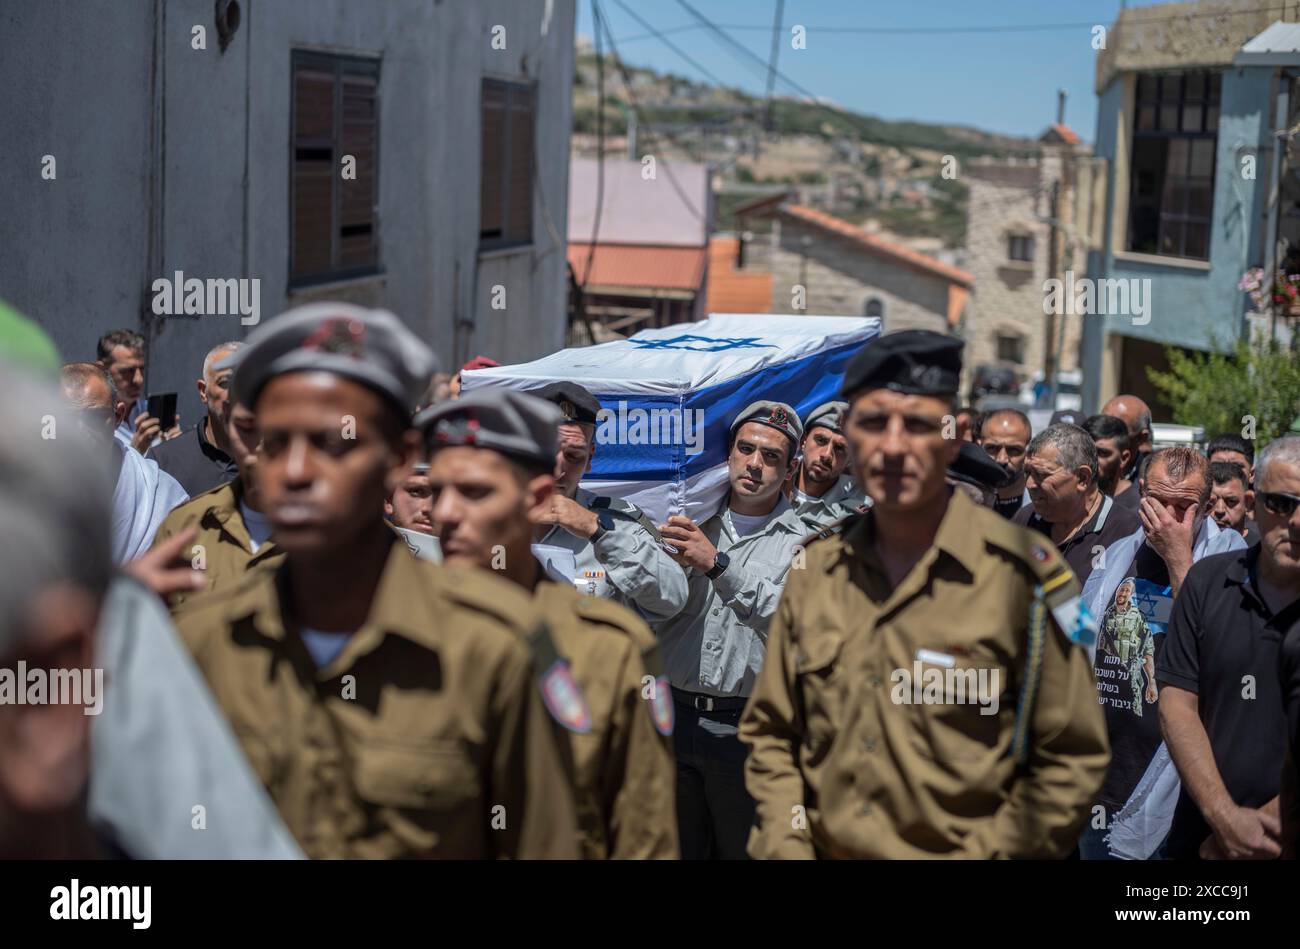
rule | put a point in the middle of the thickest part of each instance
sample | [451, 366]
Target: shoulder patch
[560, 692]
[662, 711]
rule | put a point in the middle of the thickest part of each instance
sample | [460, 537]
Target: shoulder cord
[1033, 672]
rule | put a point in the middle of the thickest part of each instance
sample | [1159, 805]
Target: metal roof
[1279, 45]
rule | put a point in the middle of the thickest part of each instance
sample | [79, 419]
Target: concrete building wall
[171, 158]
[839, 279]
[1192, 304]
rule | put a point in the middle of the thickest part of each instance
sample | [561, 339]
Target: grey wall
[80, 253]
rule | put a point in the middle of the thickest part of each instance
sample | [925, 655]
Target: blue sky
[998, 81]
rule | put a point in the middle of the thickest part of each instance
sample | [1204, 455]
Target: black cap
[974, 466]
[914, 362]
[1068, 416]
[576, 403]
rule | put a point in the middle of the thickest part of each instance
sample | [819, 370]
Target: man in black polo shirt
[1221, 708]
[200, 458]
[1066, 502]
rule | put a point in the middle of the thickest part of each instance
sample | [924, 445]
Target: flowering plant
[1285, 289]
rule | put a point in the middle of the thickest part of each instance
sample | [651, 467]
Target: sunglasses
[1275, 502]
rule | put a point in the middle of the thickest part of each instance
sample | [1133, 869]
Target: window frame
[1028, 239]
[1149, 92]
[511, 87]
[337, 64]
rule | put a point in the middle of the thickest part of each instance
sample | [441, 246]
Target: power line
[650, 132]
[671, 45]
[923, 30]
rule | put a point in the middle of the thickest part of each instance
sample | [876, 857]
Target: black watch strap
[720, 563]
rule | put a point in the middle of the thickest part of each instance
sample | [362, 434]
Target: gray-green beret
[372, 347]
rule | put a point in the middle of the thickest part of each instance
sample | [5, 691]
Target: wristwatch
[604, 524]
[720, 563]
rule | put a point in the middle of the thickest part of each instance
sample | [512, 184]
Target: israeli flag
[668, 397]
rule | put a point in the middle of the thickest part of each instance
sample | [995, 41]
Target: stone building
[1021, 231]
[822, 264]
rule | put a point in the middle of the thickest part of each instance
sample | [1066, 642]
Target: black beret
[1068, 416]
[974, 466]
[914, 362]
[575, 402]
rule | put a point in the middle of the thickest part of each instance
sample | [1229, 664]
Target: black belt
[709, 703]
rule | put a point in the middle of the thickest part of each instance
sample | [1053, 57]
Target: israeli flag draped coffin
[668, 397]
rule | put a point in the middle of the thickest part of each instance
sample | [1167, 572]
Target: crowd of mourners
[353, 610]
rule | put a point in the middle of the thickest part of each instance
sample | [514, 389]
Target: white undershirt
[258, 525]
[324, 646]
[746, 524]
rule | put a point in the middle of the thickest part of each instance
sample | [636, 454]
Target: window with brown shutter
[334, 223]
[506, 188]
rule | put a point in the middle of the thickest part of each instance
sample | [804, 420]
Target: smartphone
[162, 406]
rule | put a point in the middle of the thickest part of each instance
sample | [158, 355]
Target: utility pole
[769, 122]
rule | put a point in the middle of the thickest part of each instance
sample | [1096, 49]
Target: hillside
[879, 173]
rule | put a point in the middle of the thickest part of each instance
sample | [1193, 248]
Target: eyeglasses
[1276, 502]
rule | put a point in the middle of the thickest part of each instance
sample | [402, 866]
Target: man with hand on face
[1222, 708]
[737, 562]
[822, 490]
[1005, 437]
[232, 535]
[1133, 592]
[492, 454]
[144, 494]
[389, 705]
[201, 459]
[616, 547]
[845, 760]
[1066, 502]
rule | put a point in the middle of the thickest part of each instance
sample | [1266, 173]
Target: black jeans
[714, 811]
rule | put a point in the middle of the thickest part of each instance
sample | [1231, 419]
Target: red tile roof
[877, 245]
[731, 291]
[649, 267]
[1067, 134]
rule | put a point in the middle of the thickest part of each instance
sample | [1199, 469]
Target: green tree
[1259, 379]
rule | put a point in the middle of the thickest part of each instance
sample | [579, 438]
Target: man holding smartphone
[122, 354]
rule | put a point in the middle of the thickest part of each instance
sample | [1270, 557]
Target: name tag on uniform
[935, 658]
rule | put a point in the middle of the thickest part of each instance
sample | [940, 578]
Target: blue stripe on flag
[817, 377]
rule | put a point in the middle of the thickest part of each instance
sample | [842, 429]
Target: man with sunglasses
[1221, 702]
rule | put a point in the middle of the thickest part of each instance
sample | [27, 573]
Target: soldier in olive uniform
[1124, 634]
[492, 454]
[616, 546]
[822, 489]
[233, 536]
[389, 705]
[843, 762]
